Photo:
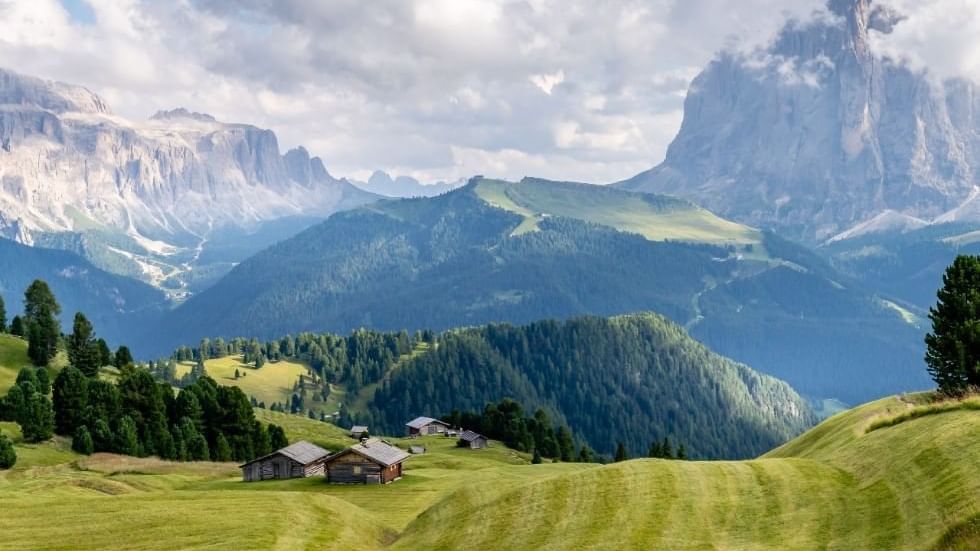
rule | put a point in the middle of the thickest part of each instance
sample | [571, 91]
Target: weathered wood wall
[280, 467]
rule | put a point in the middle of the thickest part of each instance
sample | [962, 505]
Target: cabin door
[275, 470]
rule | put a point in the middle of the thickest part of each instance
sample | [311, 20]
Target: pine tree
[566, 446]
[123, 357]
[222, 451]
[585, 455]
[104, 353]
[37, 424]
[655, 451]
[536, 457]
[953, 347]
[681, 452]
[83, 352]
[70, 400]
[15, 404]
[127, 437]
[8, 455]
[41, 323]
[621, 454]
[17, 327]
[3, 316]
[43, 381]
[277, 437]
[81, 442]
[103, 439]
[665, 450]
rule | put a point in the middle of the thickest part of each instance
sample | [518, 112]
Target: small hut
[423, 426]
[416, 450]
[373, 461]
[298, 460]
[358, 431]
[472, 440]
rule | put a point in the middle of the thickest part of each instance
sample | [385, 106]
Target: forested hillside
[636, 379]
[519, 252]
[114, 303]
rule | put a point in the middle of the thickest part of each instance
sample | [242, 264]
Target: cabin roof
[420, 422]
[378, 451]
[301, 452]
[469, 436]
[359, 428]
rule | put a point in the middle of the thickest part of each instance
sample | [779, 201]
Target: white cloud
[440, 89]
[938, 36]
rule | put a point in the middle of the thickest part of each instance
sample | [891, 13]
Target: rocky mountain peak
[182, 113]
[816, 133]
[57, 97]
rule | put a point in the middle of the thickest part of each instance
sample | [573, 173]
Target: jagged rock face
[817, 134]
[67, 164]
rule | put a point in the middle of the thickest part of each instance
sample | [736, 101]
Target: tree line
[133, 415]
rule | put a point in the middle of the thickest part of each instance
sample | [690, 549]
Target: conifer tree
[585, 455]
[681, 452]
[277, 437]
[127, 437]
[37, 423]
[41, 323]
[3, 316]
[123, 357]
[81, 442]
[8, 455]
[953, 346]
[222, 451]
[17, 327]
[105, 354]
[621, 454]
[83, 352]
[70, 400]
[536, 457]
[655, 451]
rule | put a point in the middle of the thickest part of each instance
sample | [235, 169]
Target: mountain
[382, 183]
[114, 304]
[635, 379]
[818, 134]
[148, 198]
[531, 250]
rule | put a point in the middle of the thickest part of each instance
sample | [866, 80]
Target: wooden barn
[298, 460]
[373, 461]
[423, 426]
[472, 440]
[358, 431]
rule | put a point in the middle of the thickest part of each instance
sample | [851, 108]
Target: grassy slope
[273, 383]
[911, 486]
[13, 357]
[635, 213]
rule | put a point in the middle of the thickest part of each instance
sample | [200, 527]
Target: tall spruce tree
[953, 346]
[123, 357]
[621, 454]
[17, 327]
[3, 316]
[41, 322]
[105, 354]
[81, 442]
[37, 424]
[70, 400]
[83, 352]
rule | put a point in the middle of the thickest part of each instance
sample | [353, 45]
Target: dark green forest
[636, 379]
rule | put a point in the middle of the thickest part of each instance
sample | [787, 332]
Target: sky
[585, 90]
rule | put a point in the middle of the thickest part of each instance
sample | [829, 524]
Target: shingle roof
[469, 436]
[380, 451]
[359, 428]
[302, 452]
[420, 422]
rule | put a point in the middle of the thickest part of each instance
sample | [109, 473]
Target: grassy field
[13, 357]
[899, 473]
[634, 213]
[273, 383]
[913, 485]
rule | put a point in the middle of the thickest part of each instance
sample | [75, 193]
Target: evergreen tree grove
[953, 346]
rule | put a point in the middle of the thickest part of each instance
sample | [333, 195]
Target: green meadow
[898, 473]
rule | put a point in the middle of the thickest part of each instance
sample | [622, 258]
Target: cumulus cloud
[938, 37]
[437, 89]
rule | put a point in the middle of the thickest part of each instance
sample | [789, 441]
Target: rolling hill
[517, 252]
[909, 486]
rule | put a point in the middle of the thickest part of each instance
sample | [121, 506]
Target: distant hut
[422, 426]
[416, 450]
[472, 440]
[358, 431]
[373, 461]
[298, 460]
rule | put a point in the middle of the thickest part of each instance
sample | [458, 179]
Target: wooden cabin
[423, 426]
[472, 440]
[373, 461]
[298, 460]
[358, 431]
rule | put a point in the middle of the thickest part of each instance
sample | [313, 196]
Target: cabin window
[357, 469]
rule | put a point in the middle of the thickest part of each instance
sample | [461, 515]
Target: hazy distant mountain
[405, 186]
[518, 252]
[145, 198]
[816, 134]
